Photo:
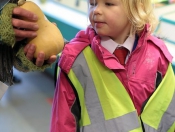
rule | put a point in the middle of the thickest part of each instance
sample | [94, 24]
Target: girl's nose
[97, 10]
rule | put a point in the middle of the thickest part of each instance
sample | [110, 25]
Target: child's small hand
[29, 50]
[24, 28]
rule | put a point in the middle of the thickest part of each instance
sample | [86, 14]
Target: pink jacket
[138, 76]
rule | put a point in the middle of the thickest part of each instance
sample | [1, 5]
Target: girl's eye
[92, 4]
[109, 4]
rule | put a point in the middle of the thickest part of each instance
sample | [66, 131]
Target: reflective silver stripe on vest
[167, 119]
[123, 123]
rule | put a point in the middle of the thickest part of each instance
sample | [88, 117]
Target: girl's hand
[24, 28]
[29, 51]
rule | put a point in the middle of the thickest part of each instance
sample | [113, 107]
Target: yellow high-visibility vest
[107, 107]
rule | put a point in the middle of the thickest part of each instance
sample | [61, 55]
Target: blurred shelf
[167, 26]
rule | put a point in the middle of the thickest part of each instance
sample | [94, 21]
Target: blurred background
[26, 106]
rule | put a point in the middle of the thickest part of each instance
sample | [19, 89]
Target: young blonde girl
[95, 92]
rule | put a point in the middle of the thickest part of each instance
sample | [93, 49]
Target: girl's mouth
[99, 24]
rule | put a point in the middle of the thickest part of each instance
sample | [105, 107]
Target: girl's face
[108, 18]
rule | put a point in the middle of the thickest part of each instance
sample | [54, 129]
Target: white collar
[111, 45]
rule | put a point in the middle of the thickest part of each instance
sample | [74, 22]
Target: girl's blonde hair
[140, 12]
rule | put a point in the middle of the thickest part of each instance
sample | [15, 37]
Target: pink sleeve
[62, 120]
[163, 65]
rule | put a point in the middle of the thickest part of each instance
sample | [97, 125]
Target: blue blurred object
[3, 3]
